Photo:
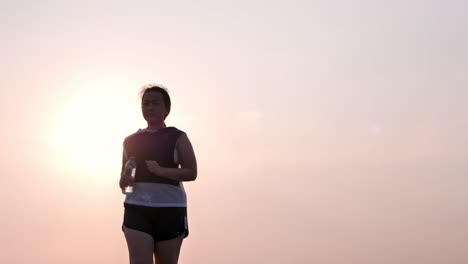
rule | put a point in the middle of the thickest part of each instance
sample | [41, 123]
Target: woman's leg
[140, 246]
[167, 251]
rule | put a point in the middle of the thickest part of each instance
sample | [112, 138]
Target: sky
[325, 131]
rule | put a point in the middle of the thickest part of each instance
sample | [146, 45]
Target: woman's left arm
[187, 160]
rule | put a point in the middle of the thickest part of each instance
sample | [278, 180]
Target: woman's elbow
[193, 175]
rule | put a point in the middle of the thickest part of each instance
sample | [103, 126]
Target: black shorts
[162, 223]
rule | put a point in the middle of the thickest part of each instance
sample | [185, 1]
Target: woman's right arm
[124, 181]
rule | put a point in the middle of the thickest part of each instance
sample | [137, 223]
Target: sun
[88, 131]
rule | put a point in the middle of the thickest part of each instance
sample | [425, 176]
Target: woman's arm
[125, 180]
[187, 160]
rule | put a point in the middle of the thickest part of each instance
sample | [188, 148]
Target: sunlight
[88, 132]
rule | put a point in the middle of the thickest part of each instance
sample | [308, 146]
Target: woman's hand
[125, 180]
[153, 167]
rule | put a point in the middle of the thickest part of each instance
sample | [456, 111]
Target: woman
[155, 217]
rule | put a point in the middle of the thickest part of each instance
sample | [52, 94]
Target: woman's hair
[158, 89]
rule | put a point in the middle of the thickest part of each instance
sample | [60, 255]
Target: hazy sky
[326, 132]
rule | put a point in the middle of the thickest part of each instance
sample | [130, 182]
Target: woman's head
[155, 103]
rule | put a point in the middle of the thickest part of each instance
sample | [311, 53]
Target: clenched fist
[153, 167]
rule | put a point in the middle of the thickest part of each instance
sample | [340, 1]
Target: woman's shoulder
[138, 132]
[174, 132]
[174, 129]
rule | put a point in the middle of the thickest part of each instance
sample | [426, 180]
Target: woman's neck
[156, 126]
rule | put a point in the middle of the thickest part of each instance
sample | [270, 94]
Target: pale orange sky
[326, 132]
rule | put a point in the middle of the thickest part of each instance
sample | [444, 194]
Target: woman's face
[153, 107]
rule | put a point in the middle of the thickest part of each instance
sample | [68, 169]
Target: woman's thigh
[167, 251]
[140, 246]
